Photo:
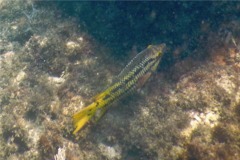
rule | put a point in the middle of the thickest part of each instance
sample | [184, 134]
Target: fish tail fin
[83, 116]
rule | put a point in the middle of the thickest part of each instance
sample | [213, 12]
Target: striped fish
[133, 76]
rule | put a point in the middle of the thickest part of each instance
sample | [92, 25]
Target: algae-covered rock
[55, 58]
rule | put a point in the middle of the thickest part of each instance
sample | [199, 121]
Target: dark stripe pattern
[130, 80]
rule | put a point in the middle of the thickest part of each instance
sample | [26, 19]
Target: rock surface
[51, 65]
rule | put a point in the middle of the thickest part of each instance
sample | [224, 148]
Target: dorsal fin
[98, 96]
[136, 60]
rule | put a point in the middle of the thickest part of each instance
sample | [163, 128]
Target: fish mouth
[160, 49]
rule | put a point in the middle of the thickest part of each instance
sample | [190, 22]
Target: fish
[132, 77]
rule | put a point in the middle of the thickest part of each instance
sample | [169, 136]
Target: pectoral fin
[143, 79]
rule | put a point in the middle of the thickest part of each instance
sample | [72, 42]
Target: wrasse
[133, 76]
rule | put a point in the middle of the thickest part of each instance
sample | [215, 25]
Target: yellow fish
[133, 76]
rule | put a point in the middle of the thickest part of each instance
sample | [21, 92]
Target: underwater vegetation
[55, 55]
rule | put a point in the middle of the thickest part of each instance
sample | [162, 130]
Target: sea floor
[52, 63]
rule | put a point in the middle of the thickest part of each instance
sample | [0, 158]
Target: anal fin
[99, 113]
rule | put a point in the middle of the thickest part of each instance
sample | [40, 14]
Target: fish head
[157, 50]
[155, 55]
